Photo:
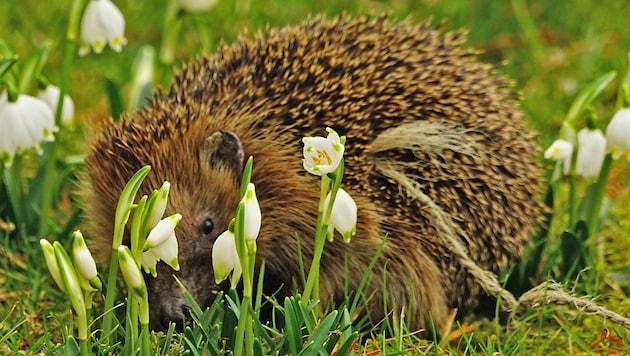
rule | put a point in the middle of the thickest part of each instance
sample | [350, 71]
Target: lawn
[552, 50]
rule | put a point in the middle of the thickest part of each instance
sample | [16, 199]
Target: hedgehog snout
[176, 312]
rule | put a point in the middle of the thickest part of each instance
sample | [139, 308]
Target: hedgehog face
[207, 202]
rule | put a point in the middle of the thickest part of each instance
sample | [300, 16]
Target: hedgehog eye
[206, 227]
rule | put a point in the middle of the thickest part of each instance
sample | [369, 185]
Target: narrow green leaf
[32, 67]
[115, 99]
[293, 332]
[5, 65]
[316, 341]
[587, 95]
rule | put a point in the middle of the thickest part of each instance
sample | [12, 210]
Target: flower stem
[72, 34]
[83, 332]
[594, 209]
[172, 26]
[312, 281]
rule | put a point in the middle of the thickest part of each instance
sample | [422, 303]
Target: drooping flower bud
[225, 259]
[252, 213]
[343, 216]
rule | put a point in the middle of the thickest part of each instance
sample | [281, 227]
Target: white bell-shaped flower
[591, 152]
[50, 96]
[343, 216]
[25, 123]
[560, 151]
[322, 155]
[618, 134]
[161, 244]
[252, 213]
[130, 271]
[196, 6]
[225, 259]
[84, 263]
[102, 24]
[51, 263]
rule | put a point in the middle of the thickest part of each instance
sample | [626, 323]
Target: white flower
[161, 244]
[618, 134]
[591, 152]
[130, 270]
[560, 151]
[195, 6]
[322, 155]
[343, 216]
[252, 213]
[25, 123]
[102, 23]
[225, 259]
[51, 262]
[84, 263]
[50, 96]
[164, 229]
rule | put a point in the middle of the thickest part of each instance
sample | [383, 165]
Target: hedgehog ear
[223, 148]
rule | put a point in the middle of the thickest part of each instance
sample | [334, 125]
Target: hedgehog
[422, 116]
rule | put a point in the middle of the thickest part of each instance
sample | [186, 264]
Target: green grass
[550, 49]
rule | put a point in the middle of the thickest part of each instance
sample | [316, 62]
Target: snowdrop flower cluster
[322, 156]
[593, 146]
[102, 24]
[225, 258]
[26, 123]
[161, 243]
[73, 275]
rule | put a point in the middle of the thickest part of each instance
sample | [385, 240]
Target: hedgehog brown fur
[412, 102]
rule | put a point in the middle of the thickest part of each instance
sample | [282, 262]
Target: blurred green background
[550, 48]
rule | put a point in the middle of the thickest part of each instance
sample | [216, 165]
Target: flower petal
[225, 258]
[252, 213]
[343, 216]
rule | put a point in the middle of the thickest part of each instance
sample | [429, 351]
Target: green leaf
[247, 175]
[5, 65]
[587, 95]
[323, 330]
[142, 72]
[71, 347]
[293, 326]
[115, 99]
[123, 208]
[32, 67]
[574, 250]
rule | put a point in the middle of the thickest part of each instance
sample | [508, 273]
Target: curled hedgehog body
[421, 116]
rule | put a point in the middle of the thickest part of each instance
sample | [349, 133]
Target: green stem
[312, 281]
[13, 181]
[83, 332]
[144, 322]
[243, 255]
[72, 35]
[123, 210]
[243, 321]
[594, 209]
[249, 332]
[572, 198]
[171, 29]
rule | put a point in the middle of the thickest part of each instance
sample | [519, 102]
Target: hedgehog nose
[178, 314]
